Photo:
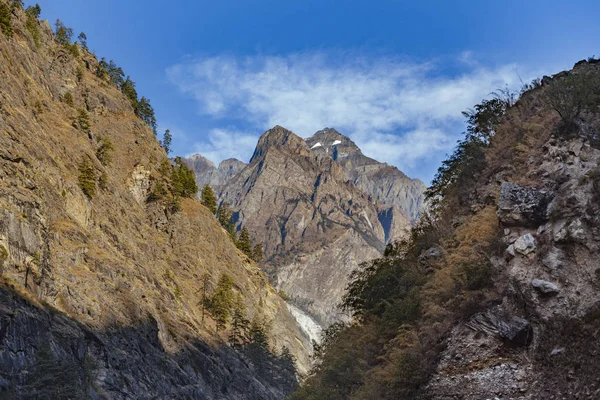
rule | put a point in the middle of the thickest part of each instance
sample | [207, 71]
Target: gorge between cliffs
[136, 267]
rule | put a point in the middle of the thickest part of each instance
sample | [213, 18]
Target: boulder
[522, 206]
[525, 244]
[516, 330]
[513, 329]
[545, 287]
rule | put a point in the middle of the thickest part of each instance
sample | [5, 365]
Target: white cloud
[396, 111]
[224, 143]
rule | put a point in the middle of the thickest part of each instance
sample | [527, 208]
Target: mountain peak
[278, 137]
[200, 161]
[330, 141]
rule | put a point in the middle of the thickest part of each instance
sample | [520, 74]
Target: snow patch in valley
[318, 144]
[336, 142]
[306, 323]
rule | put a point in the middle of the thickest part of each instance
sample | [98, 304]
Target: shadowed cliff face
[48, 355]
[315, 223]
[111, 262]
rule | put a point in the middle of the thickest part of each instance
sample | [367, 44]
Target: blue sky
[393, 75]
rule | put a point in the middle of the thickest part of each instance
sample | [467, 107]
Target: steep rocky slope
[315, 227]
[495, 296]
[208, 174]
[384, 182]
[320, 207]
[101, 294]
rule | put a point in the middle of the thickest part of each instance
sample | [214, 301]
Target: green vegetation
[225, 218]
[406, 303]
[82, 121]
[32, 24]
[571, 95]
[244, 242]
[103, 181]
[68, 99]
[176, 181]
[144, 110]
[5, 20]
[239, 323]
[87, 178]
[257, 253]
[62, 33]
[457, 173]
[105, 150]
[404, 306]
[64, 36]
[82, 38]
[221, 302]
[166, 142]
[183, 180]
[17, 5]
[208, 199]
[79, 73]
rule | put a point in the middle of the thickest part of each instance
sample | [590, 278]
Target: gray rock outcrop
[522, 206]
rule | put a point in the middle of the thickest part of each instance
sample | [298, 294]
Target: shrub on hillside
[571, 95]
[183, 180]
[32, 26]
[82, 121]
[5, 20]
[68, 99]
[105, 150]
[87, 178]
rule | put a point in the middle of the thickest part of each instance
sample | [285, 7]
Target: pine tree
[258, 343]
[221, 302]
[5, 20]
[102, 70]
[166, 142]
[204, 301]
[82, 121]
[83, 40]
[287, 369]
[116, 74]
[145, 111]
[87, 178]
[239, 323]
[257, 253]
[62, 33]
[183, 180]
[17, 4]
[128, 89]
[53, 377]
[244, 243]
[208, 198]
[224, 215]
[32, 25]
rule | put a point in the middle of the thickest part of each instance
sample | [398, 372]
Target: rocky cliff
[101, 290]
[384, 182]
[208, 174]
[495, 295]
[321, 208]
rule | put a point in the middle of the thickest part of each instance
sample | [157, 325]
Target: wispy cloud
[396, 110]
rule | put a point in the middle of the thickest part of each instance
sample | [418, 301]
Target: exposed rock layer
[108, 285]
[320, 207]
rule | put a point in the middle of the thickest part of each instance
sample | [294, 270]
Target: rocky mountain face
[208, 174]
[100, 294]
[316, 215]
[384, 182]
[496, 296]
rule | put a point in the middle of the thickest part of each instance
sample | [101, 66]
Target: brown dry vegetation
[389, 353]
[114, 259]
